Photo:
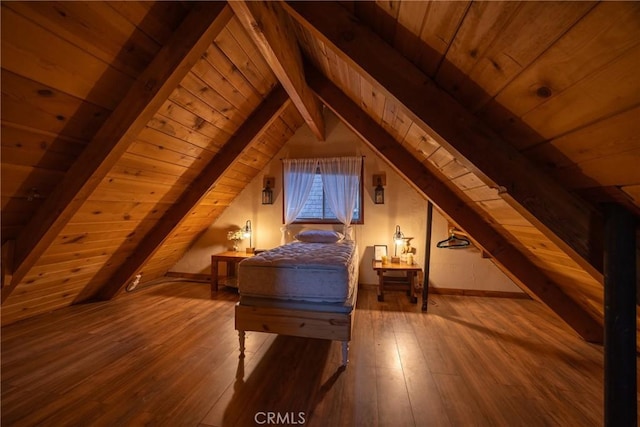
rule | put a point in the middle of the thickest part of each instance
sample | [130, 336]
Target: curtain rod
[287, 158]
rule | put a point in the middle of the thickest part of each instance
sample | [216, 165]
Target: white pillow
[319, 236]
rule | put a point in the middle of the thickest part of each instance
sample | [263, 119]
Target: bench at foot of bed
[299, 323]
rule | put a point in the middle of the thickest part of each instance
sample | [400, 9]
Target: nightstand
[407, 281]
[231, 258]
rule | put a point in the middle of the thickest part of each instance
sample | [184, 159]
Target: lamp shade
[398, 238]
[248, 231]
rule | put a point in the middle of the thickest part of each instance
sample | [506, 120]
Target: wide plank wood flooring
[167, 355]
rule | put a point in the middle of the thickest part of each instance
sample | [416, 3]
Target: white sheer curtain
[298, 178]
[341, 181]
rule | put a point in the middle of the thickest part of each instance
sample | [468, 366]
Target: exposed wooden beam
[268, 25]
[147, 94]
[569, 222]
[518, 266]
[254, 126]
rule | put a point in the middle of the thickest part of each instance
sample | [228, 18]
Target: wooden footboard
[299, 323]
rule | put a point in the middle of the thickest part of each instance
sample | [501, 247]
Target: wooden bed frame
[300, 323]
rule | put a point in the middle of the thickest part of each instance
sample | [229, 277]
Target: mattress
[312, 272]
[344, 307]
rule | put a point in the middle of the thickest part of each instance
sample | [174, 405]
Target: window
[316, 207]
[317, 210]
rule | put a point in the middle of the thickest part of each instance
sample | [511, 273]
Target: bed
[307, 288]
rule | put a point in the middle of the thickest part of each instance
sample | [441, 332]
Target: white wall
[404, 206]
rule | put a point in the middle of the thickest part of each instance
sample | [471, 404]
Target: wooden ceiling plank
[438, 30]
[28, 104]
[608, 31]
[85, 24]
[97, 212]
[190, 119]
[500, 52]
[156, 19]
[614, 87]
[240, 91]
[514, 263]
[214, 99]
[411, 16]
[480, 28]
[178, 130]
[566, 220]
[62, 65]
[607, 137]
[267, 25]
[146, 95]
[188, 98]
[23, 147]
[615, 170]
[267, 113]
[166, 142]
[27, 181]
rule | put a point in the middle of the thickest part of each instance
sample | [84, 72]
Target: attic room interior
[153, 193]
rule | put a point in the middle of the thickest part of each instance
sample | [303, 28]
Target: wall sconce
[378, 192]
[247, 233]
[398, 238]
[267, 192]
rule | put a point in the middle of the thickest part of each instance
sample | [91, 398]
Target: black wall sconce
[267, 192]
[378, 192]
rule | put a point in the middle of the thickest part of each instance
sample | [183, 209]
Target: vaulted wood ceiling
[128, 127]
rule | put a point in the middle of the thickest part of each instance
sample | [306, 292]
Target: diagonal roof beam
[512, 261]
[147, 94]
[254, 126]
[269, 27]
[569, 222]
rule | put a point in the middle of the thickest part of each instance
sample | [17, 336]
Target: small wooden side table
[409, 281]
[231, 258]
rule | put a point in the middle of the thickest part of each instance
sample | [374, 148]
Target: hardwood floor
[168, 355]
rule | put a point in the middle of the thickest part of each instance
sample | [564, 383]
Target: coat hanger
[453, 242]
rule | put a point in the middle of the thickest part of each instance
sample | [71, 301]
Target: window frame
[329, 221]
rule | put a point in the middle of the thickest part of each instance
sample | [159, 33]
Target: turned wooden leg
[241, 336]
[345, 353]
